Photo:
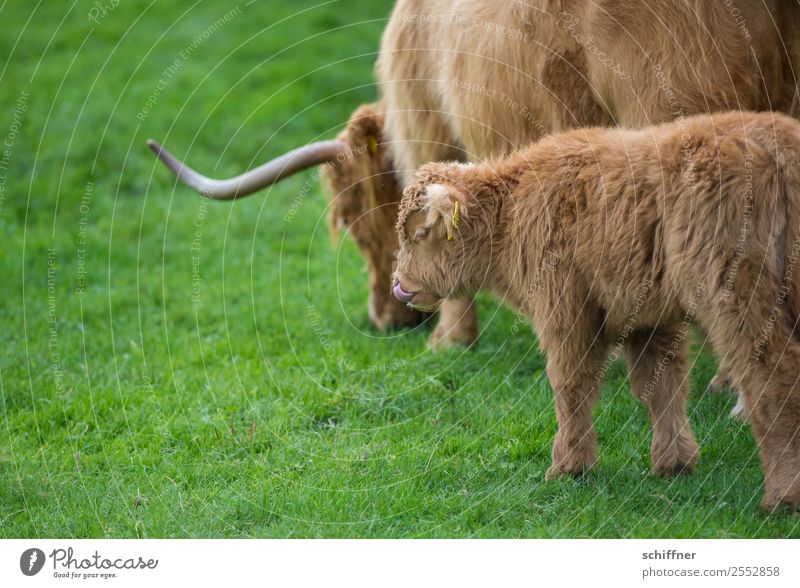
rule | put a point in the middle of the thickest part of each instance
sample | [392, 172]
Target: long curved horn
[257, 178]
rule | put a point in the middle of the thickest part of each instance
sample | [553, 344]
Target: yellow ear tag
[372, 144]
[455, 222]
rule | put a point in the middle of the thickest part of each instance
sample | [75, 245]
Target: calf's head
[365, 194]
[445, 229]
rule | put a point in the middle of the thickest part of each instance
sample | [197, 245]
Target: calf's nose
[401, 294]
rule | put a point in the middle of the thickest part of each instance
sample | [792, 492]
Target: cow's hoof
[738, 411]
[719, 383]
[455, 336]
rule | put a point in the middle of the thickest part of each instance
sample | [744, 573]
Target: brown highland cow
[619, 237]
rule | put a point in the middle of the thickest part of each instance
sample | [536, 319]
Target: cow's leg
[721, 382]
[458, 324]
[738, 411]
[576, 350]
[658, 372]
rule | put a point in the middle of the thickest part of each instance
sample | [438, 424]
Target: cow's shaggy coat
[610, 237]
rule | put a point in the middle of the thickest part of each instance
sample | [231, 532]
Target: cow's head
[365, 196]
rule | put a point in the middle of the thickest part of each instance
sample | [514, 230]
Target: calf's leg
[771, 396]
[658, 371]
[576, 350]
[764, 362]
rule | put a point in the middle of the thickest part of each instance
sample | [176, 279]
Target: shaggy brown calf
[625, 238]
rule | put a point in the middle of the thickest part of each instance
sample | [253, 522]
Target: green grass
[268, 408]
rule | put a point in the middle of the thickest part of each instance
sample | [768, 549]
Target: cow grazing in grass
[469, 79]
[609, 237]
[358, 169]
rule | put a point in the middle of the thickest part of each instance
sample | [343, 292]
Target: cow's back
[493, 77]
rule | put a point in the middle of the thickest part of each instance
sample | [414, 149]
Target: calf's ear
[445, 203]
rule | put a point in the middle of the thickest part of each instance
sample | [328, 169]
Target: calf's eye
[421, 233]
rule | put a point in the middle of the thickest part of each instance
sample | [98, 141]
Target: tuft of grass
[214, 373]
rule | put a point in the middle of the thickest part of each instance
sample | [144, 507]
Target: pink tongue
[401, 294]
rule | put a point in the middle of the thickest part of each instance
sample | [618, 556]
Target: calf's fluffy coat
[609, 238]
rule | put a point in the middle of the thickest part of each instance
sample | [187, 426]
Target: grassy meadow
[173, 367]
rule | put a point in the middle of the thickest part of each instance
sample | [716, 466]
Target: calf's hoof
[782, 483]
[555, 472]
[675, 457]
[572, 459]
[774, 501]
